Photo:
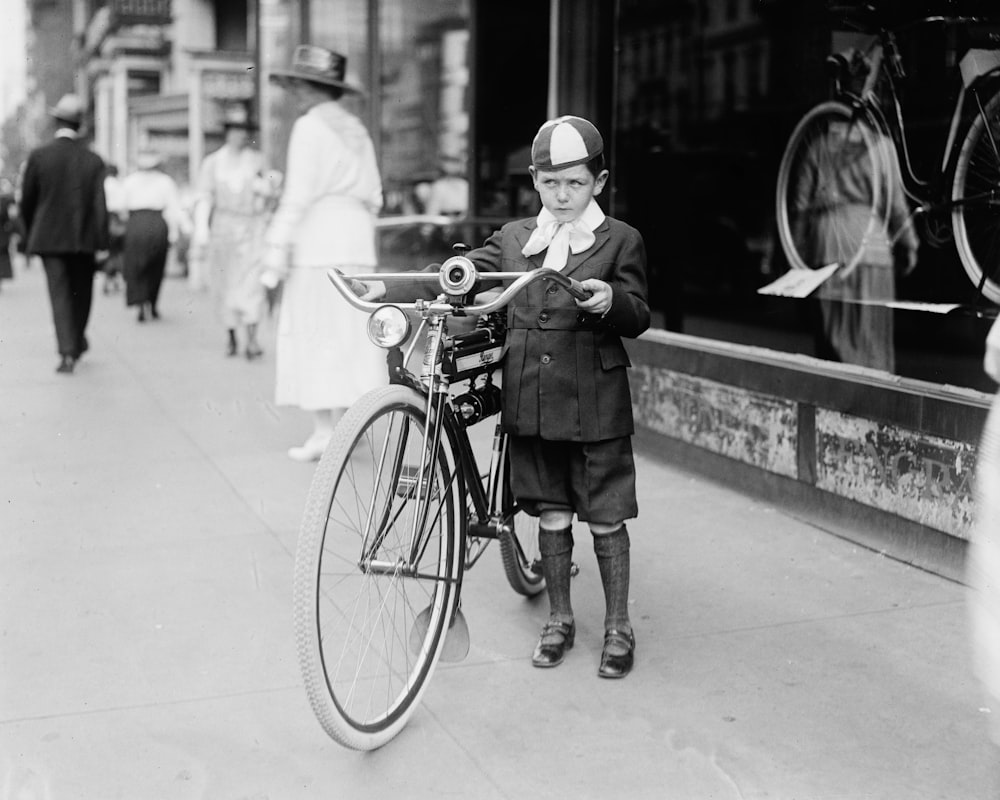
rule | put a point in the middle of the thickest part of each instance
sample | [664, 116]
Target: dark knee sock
[612, 551]
[556, 549]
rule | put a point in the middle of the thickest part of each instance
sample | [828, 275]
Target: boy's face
[566, 193]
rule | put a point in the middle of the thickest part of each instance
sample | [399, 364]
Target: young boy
[566, 401]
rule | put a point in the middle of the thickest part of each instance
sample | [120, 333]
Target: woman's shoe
[153, 312]
[231, 348]
[253, 351]
[310, 451]
[553, 642]
[618, 655]
[142, 314]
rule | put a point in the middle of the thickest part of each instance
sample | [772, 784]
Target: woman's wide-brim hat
[70, 108]
[317, 65]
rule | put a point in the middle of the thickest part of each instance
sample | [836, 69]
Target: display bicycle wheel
[377, 569]
[975, 215]
[832, 188]
[519, 544]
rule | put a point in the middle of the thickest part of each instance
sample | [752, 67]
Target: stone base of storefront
[883, 461]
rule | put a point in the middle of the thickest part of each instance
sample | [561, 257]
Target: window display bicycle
[848, 158]
[399, 509]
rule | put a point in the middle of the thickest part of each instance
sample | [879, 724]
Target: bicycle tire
[519, 544]
[366, 644]
[830, 141]
[976, 225]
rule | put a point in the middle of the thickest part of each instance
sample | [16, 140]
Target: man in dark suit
[66, 219]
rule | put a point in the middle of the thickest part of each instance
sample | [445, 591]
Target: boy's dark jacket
[565, 377]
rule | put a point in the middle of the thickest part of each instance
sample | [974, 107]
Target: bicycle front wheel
[975, 216]
[831, 189]
[377, 569]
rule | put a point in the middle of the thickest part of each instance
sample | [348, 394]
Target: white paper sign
[799, 282]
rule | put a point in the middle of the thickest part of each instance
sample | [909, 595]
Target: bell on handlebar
[457, 276]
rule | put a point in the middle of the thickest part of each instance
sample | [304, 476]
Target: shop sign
[923, 478]
[755, 428]
[140, 12]
[227, 85]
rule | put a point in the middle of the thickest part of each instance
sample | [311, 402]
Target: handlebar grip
[578, 290]
[356, 286]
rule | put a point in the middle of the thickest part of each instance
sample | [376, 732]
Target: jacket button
[546, 358]
[543, 317]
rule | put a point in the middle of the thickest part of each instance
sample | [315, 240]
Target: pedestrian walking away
[325, 218]
[235, 190]
[66, 223]
[153, 206]
[570, 453]
[8, 227]
[114, 196]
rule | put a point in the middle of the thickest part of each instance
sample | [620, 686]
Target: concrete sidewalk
[147, 533]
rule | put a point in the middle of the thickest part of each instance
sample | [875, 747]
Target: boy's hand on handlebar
[600, 301]
[370, 291]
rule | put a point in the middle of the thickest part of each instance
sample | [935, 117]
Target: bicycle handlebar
[447, 276]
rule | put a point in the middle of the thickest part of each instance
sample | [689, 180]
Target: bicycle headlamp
[388, 326]
[457, 276]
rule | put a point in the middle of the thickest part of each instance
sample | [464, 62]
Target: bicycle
[853, 135]
[398, 510]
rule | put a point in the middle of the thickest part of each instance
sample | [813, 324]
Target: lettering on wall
[923, 478]
[758, 429]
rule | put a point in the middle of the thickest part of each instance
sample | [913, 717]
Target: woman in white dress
[229, 215]
[325, 218]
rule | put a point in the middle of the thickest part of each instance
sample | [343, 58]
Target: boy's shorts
[594, 479]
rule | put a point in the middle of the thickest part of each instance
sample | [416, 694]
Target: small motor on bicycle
[469, 355]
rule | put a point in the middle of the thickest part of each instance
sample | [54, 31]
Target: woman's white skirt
[324, 357]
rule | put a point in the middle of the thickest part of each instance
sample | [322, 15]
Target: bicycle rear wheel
[831, 189]
[519, 545]
[975, 217]
[371, 605]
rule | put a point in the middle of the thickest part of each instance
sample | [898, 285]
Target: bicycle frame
[886, 63]
[433, 385]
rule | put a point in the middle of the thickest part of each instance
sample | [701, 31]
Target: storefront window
[699, 138]
[424, 104]
[424, 124]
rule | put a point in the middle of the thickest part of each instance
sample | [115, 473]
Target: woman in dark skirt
[151, 198]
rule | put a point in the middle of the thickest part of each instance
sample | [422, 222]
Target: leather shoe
[66, 365]
[556, 638]
[614, 663]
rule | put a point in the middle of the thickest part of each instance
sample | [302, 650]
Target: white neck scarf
[559, 238]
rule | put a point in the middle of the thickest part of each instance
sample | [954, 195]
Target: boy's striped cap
[565, 142]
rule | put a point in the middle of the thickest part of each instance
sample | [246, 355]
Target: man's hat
[70, 108]
[565, 142]
[318, 65]
[237, 115]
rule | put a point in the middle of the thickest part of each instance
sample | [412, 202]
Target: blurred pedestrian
[153, 207]
[7, 228]
[114, 196]
[66, 224]
[233, 197]
[325, 218]
[983, 565]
